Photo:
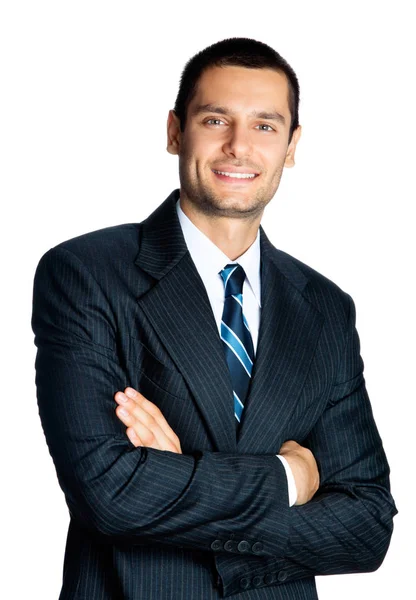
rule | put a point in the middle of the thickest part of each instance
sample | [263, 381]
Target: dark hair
[236, 52]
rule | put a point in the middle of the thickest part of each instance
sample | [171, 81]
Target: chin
[232, 207]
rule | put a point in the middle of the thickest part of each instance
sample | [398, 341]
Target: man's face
[235, 143]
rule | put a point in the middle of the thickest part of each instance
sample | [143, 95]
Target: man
[221, 352]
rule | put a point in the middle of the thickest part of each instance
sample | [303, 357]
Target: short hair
[236, 52]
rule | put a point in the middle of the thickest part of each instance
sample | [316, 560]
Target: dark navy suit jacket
[126, 306]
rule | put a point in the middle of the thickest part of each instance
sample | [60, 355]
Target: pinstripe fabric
[125, 306]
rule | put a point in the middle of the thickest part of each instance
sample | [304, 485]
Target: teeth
[236, 175]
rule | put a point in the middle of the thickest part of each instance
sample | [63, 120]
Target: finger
[145, 426]
[123, 412]
[153, 413]
[152, 436]
[135, 405]
[137, 432]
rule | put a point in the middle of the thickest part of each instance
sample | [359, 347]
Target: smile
[236, 175]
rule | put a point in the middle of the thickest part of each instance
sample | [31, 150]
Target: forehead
[243, 89]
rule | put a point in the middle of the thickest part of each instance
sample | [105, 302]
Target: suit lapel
[289, 331]
[178, 308]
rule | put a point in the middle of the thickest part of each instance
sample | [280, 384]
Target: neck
[233, 236]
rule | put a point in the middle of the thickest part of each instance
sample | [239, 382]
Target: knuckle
[152, 409]
[145, 418]
[307, 454]
[147, 437]
[150, 422]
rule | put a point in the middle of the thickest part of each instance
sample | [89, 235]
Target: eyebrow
[222, 110]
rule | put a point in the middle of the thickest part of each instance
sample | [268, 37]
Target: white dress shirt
[209, 261]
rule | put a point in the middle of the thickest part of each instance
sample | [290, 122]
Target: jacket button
[230, 546]
[216, 545]
[282, 575]
[269, 578]
[258, 580]
[257, 548]
[245, 583]
[243, 546]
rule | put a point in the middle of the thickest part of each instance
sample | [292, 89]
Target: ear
[290, 154]
[174, 133]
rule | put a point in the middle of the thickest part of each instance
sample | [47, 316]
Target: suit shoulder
[103, 239]
[310, 273]
[106, 245]
[316, 287]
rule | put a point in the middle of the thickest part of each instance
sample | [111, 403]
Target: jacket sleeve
[128, 494]
[347, 526]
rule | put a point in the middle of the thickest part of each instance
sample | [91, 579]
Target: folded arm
[199, 501]
[120, 491]
[147, 427]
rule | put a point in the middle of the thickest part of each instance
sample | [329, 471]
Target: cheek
[190, 165]
[274, 158]
[190, 148]
[200, 156]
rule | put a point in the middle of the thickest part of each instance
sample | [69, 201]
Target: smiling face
[235, 143]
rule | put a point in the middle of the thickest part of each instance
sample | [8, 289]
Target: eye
[265, 127]
[214, 121]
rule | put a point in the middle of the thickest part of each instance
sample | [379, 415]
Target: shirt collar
[209, 259]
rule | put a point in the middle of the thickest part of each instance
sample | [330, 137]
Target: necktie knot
[233, 276]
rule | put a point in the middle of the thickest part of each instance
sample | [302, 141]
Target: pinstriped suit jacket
[126, 306]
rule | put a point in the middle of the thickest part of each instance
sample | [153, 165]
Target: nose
[238, 143]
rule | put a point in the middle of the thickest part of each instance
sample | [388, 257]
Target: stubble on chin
[212, 204]
[215, 206]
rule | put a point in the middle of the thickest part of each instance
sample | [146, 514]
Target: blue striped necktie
[236, 336]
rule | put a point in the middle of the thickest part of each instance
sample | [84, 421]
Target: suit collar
[162, 244]
[284, 263]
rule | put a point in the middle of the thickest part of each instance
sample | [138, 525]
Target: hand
[304, 469]
[146, 426]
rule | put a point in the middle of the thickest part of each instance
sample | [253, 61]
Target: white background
[86, 88]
